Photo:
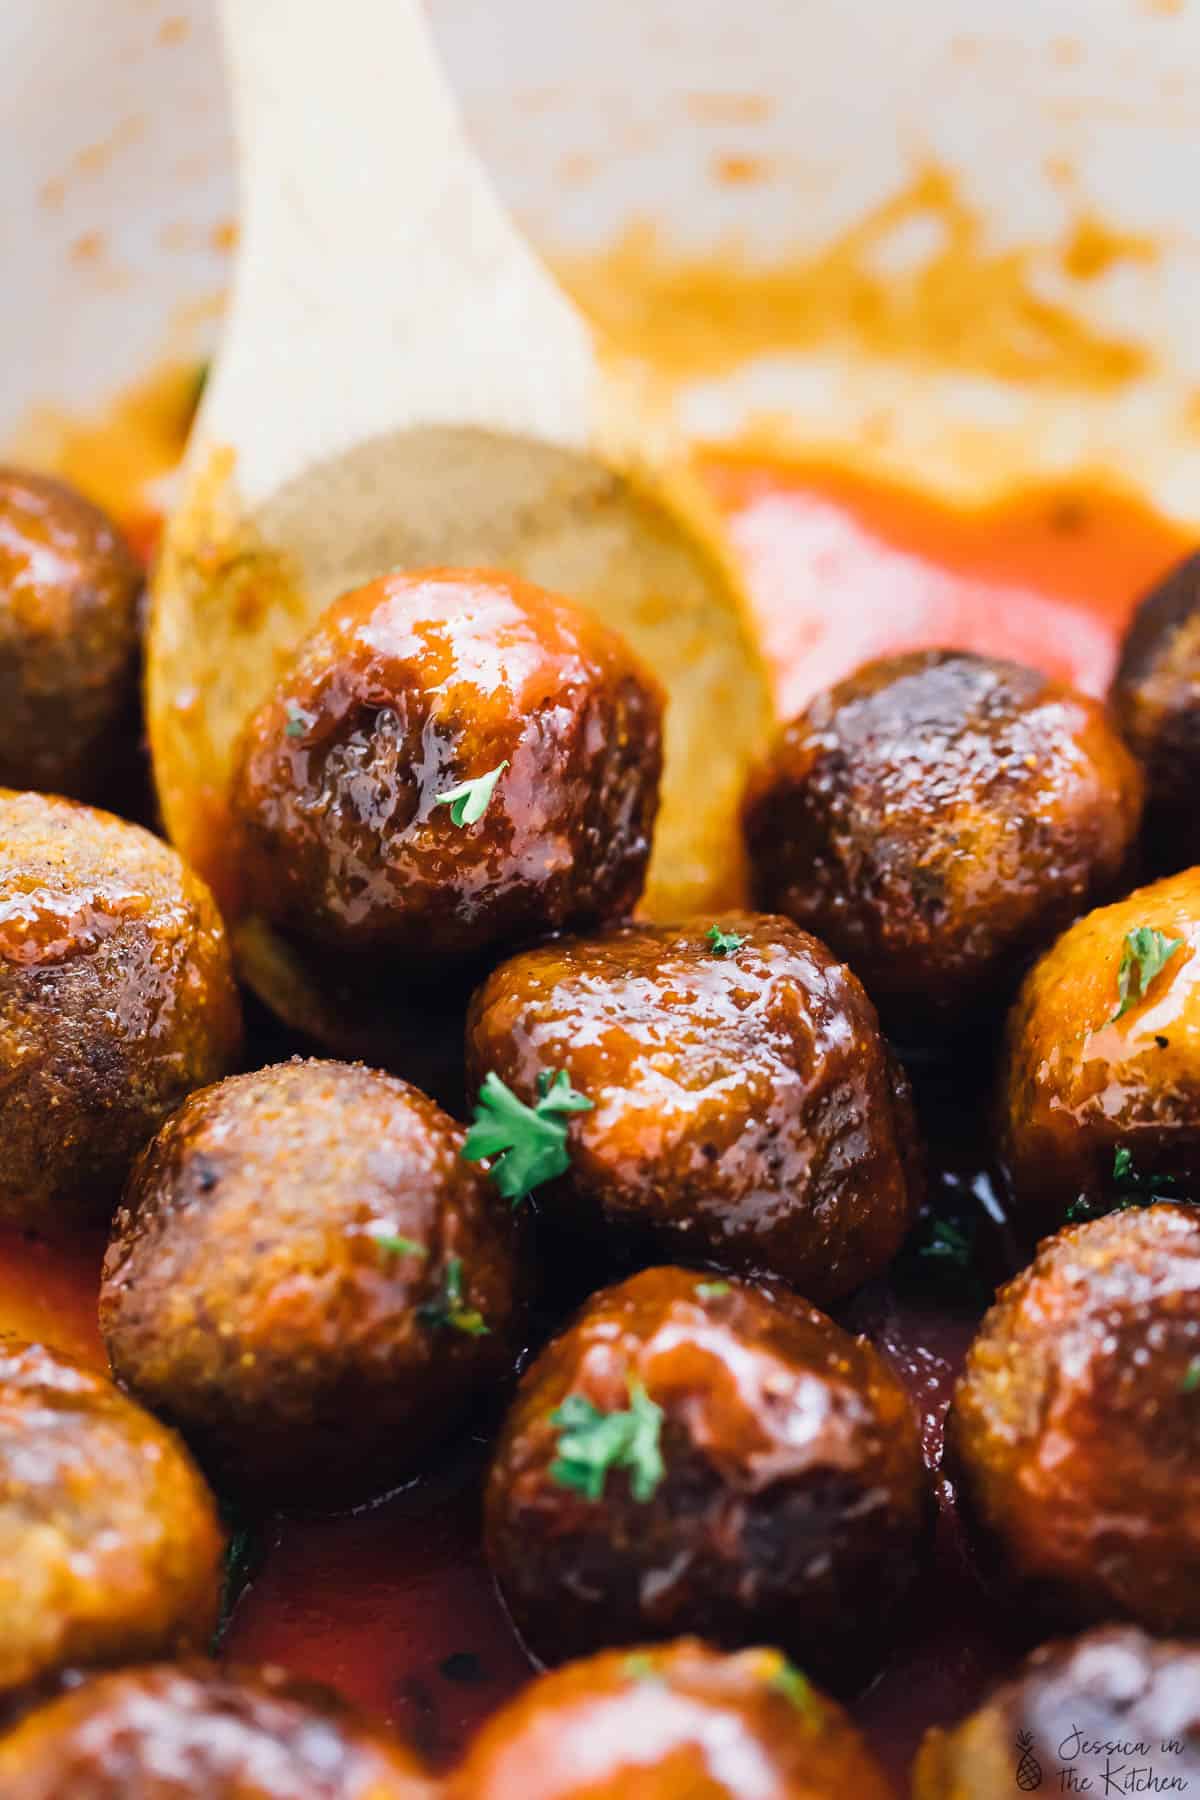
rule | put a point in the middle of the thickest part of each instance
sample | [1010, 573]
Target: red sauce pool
[394, 1605]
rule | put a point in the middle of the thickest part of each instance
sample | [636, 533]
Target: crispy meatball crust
[406, 689]
[1072, 1701]
[936, 818]
[69, 588]
[793, 1496]
[1074, 1431]
[746, 1112]
[246, 1296]
[110, 1547]
[671, 1722]
[196, 1732]
[117, 998]
[1155, 698]
[1078, 1083]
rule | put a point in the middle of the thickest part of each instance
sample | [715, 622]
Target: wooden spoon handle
[380, 284]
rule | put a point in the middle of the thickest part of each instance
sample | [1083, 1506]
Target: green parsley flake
[592, 1442]
[947, 1243]
[1191, 1379]
[469, 800]
[296, 725]
[795, 1686]
[724, 943]
[448, 1308]
[1145, 955]
[712, 1290]
[640, 1667]
[399, 1246]
[530, 1142]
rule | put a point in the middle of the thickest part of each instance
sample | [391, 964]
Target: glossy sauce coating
[1156, 702]
[247, 1298]
[110, 1546]
[746, 1112]
[69, 589]
[1101, 1707]
[1078, 1083]
[407, 689]
[937, 817]
[673, 1722]
[194, 1732]
[793, 1495]
[116, 999]
[1074, 1431]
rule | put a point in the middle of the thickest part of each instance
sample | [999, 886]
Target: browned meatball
[406, 692]
[745, 1109]
[69, 588]
[1155, 698]
[110, 1547]
[1092, 1715]
[196, 1732]
[937, 817]
[1075, 1429]
[672, 1722]
[1100, 1088]
[116, 999]
[702, 1455]
[309, 1281]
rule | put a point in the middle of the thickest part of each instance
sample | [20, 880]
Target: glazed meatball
[195, 1732]
[69, 589]
[745, 1109]
[307, 1279]
[677, 1722]
[1155, 699]
[116, 999]
[701, 1455]
[1075, 1431]
[1103, 1707]
[1100, 1090]
[420, 688]
[936, 818]
[110, 1547]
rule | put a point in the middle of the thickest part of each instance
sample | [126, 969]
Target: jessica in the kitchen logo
[1084, 1764]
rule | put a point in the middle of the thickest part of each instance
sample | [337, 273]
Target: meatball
[1099, 1706]
[936, 818]
[745, 1109]
[69, 591]
[1074, 1431]
[307, 1279]
[196, 1732]
[671, 1723]
[1155, 699]
[453, 760]
[700, 1455]
[116, 999]
[110, 1546]
[1100, 1089]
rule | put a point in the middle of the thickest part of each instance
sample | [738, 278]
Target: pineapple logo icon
[1029, 1769]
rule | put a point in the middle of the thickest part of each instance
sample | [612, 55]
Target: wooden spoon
[402, 384]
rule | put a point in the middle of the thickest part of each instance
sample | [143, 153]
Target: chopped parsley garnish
[399, 1246]
[296, 725]
[592, 1442]
[1191, 1378]
[712, 1290]
[948, 1244]
[448, 1309]
[529, 1142]
[795, 1686]
[1146, 954]
[469, 800]
[640, 1667]
[1135, 1189]
[724, 943]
